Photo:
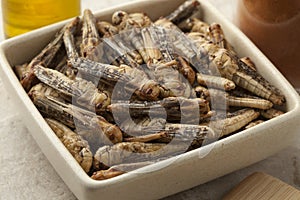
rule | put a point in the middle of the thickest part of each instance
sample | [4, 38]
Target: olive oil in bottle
[20, 16]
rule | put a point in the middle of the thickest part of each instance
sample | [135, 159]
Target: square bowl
[185, 171]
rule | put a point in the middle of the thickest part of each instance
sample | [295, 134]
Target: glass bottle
[274, 26]
[20, 16]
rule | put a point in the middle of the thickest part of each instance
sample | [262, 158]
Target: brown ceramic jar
[274, 26]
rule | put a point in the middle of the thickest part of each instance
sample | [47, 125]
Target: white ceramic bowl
[189, 169]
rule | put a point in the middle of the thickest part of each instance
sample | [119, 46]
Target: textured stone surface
[26, 173]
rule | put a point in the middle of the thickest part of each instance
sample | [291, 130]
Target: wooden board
[261, 186]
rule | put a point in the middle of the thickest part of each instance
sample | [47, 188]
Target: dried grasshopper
[222, 62]
[77, 146]
[162, 63]
[211, 32]
[132, 79]
[184, 47]
[173, 108]
[90, 37]
[92, 44]
[92, 127]
[157, 129]
[131, 152]
[167, 51]
[141, 126]
[95, 128]
[186, 133]
[75, 61]
[220, 96]
[184, 14]
[46, 56]
[215, 82]
[126, 23]
[39, 93]
[234, 122]
[184, 11]
[208, 58]
[82, 92]
[262, 104]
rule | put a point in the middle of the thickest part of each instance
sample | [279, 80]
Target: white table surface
[25, 172]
